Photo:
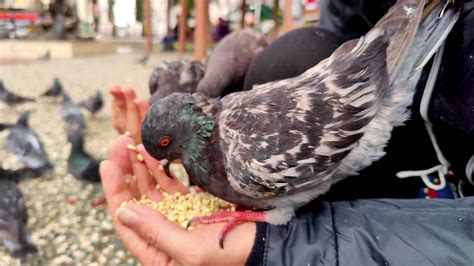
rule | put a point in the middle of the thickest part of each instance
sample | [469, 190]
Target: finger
[118, 109]
[156, 230]
[119, 154]
[145, 182]
[115, 189]
[133, 116]
[142, 107]
[141, 250]
[116, 192]
[168, 184]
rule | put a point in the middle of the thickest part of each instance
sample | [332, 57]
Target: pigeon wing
[289, 136]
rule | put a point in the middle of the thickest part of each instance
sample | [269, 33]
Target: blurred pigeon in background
[228, 63]
[93, 104]
[81, 164]
[144, 59]
[4, 126]
[19, 175]
[55, 90]
[13, 219]
[46, 56]
[71, 114]
[175, 76]
[10, 98]
[27, 145]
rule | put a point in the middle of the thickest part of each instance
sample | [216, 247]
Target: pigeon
[13, 220]
[80, 164]
[4, 126]
[19, 175]
[175, 76]
[72, 115]
[10, 98]
[46, 56]
[94, 103]
[55, 90]
[144, 59]
[27, 145]
[228, 63]
[280, 145]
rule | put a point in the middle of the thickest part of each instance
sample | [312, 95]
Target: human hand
[128, 111]
[151, 238]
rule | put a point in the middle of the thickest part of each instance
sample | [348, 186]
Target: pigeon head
[176, 128]
[23, 120]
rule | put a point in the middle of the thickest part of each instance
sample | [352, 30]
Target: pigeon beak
[166, 166]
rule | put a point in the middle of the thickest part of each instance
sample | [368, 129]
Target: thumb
[155, 229]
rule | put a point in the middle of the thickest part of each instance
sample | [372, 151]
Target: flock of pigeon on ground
[27, 146]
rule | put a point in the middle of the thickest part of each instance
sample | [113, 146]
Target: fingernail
[140, 157]
[127, 133]
[127, 216]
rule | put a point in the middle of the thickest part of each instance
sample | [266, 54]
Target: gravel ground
[67, 234]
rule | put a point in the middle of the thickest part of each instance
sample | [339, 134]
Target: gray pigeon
[228, 63]
[80, 164]
[71, 115]
[13, 220]
[19, 175]
[93, 104]
[144, 59]
[10, 98]
[27, 145]
[4, 126]
[55, 90]
[284, 143]
[175, 76]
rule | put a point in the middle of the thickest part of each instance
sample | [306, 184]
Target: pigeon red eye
[165, 141]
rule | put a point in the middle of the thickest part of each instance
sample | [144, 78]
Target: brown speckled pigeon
[284, 143]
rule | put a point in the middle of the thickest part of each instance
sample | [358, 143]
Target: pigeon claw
[231, 218]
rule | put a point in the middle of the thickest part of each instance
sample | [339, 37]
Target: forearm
[372, 232]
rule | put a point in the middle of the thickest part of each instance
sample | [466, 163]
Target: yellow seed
[132, 147]
[140, 157]
[127, 133]
[161, 167]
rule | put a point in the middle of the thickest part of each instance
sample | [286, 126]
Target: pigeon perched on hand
[228, 63]
[55, 90]
[27, 145]
[94, 103]
[13, 219]
[10, 98]
[72, 115]
[282, 144]
[175, 76]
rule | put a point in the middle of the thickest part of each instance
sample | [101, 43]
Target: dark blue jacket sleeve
[372, 232]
